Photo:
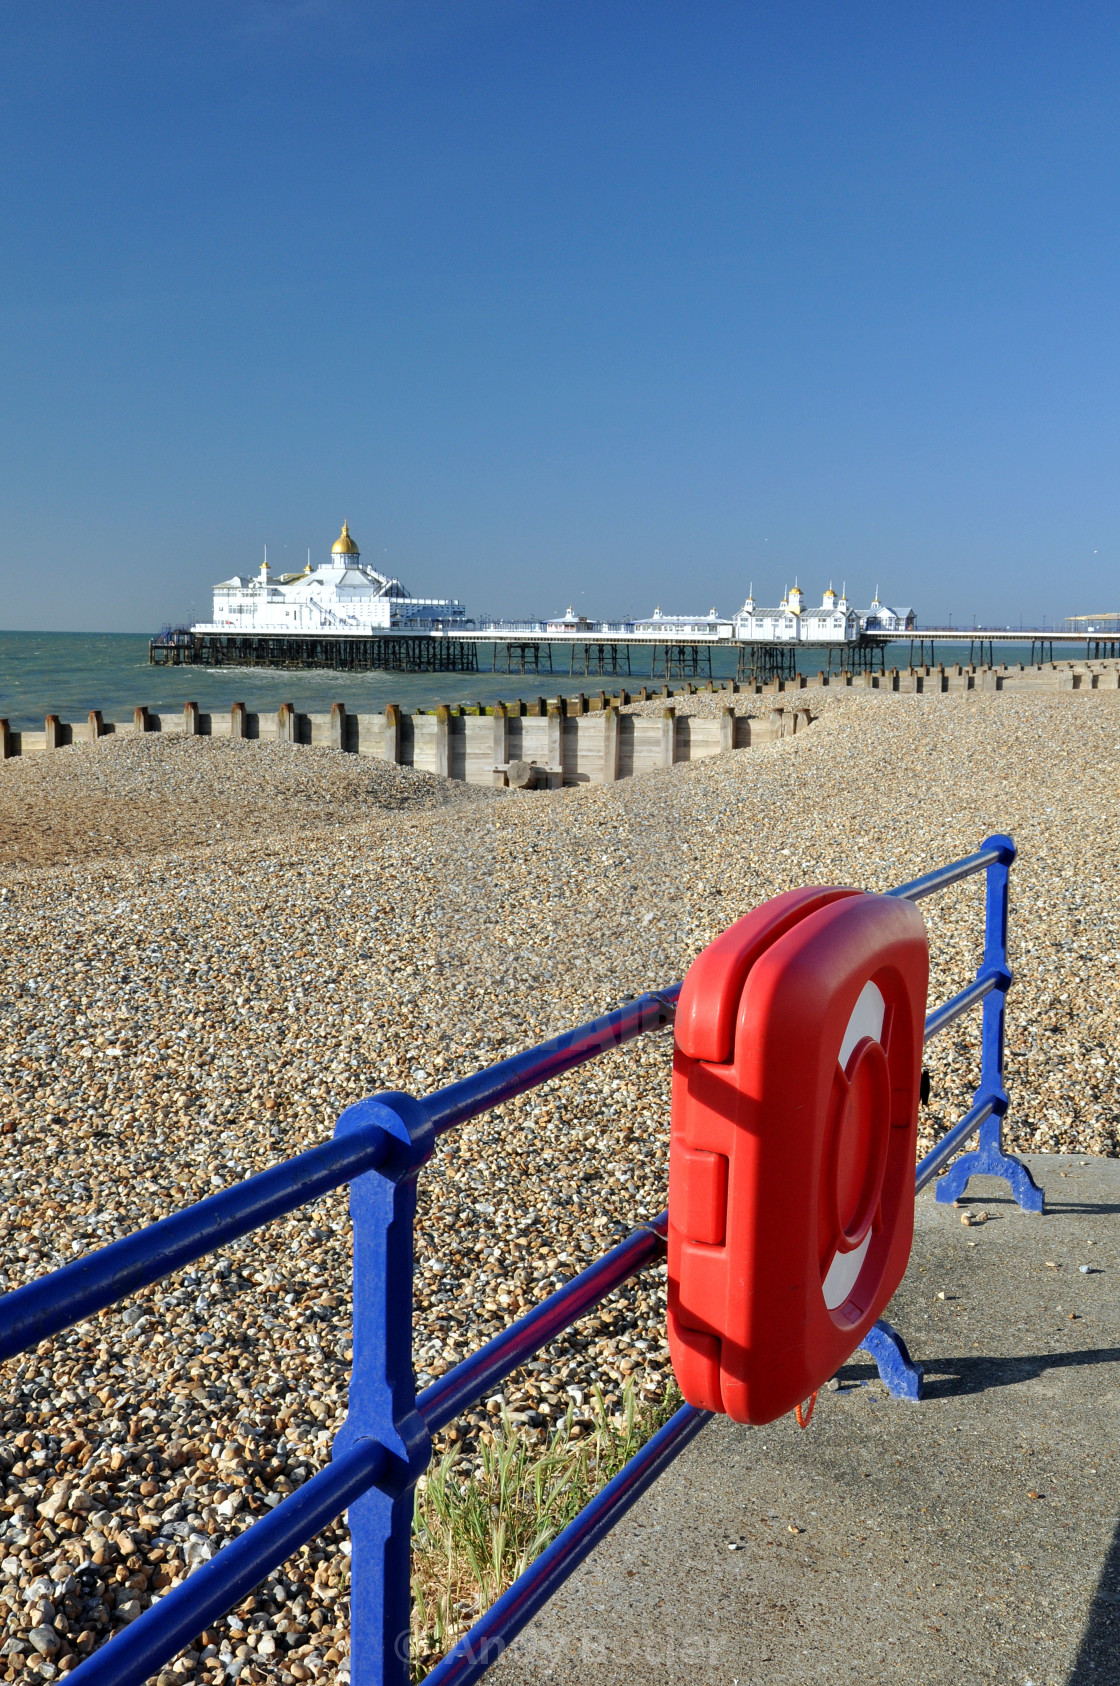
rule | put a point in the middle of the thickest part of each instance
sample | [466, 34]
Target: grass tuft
[475, 1531]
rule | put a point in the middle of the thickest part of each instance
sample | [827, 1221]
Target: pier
[615, 653]
[344, 652]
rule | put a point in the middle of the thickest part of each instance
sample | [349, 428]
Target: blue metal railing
[385, 1443]
[990, 987]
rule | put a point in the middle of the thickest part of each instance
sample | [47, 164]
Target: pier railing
[379, 1146]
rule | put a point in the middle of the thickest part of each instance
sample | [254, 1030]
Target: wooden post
[556, 737]
[726, 730]
[501, 735]
[443, 740]
[237, 725]
[338, 726]
[5, 741]
[610, 745]
[668, 735]
[286, 723]
[96, 725]
[643, 694]
[191, 724]
[56, 732]
[141, 719]
[393, 733]
[777, 722]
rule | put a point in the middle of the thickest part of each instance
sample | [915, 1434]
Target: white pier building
[342, 595]
[793, 622]
[834, 622]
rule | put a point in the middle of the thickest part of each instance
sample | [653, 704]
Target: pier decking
[612, 653]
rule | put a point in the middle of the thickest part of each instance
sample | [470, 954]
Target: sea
[68, 673]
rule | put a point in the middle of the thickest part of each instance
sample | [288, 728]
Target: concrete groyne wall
[1048, 676]
[543, 744]
[551, 742]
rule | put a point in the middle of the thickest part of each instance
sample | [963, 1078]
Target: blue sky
[612, 304]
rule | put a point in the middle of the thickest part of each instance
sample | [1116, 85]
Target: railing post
[382, 1394]
[988, 1158]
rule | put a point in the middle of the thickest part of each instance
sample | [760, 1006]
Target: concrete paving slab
[971, 1537]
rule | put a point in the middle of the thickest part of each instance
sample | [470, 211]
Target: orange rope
[804, 1413]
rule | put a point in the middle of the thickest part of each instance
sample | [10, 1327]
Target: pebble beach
[211, 948]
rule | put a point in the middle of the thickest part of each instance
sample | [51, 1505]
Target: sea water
[68, 673]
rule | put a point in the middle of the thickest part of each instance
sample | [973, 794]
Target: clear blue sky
[558, 301]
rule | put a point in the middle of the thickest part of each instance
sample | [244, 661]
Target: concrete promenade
[972, 1537]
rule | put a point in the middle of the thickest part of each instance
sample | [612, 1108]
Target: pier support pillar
[443, 745]
[192, 727]
[393, 733]
[726, 730]
[668, 735]
[610, 745]
[238, 727]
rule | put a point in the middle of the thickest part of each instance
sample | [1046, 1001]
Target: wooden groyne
[553, 742]
[544, 743]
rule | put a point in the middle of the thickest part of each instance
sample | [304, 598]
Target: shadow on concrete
[1082, 1208]
[948, 1378]
[1098, 1657]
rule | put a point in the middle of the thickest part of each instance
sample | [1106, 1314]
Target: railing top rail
[476, 1094]
[77, 1290]
[994, 850]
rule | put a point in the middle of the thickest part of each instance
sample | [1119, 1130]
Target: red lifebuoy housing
[791, 1168]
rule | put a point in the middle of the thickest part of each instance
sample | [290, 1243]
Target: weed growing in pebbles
[476, 1529]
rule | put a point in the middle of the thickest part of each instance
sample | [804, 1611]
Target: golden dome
[344, 544]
